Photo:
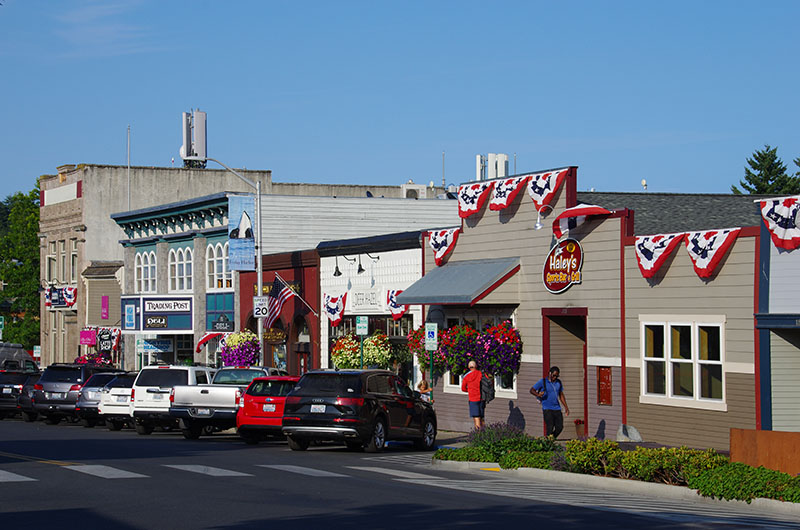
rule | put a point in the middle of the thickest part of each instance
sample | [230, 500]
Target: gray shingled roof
[662, 213]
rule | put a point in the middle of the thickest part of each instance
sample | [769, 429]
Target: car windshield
[328, 385]
[12, 379]
[98, 380]
[162, 377]
[122, 381]
[59, 374]
[237, 376]
[270, 388]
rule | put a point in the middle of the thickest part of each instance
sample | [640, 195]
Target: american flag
[278, 296]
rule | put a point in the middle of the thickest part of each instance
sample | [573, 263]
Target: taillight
[293, 400]
[349, 402]
[133, 392]
[172, 396]
[37, 386]
[75, 388]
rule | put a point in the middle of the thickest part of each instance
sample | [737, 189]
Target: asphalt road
[67, 476]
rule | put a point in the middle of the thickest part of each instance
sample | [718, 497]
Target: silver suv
[56, 393]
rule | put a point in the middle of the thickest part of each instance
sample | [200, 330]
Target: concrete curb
[619, 485]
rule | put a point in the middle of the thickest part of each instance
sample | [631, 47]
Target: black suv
[362, 408]
[11, 384]
[56, 393]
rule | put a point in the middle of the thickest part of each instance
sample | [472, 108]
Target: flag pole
[297, 294]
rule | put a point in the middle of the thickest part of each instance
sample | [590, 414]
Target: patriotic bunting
[64, 296]
[472, 196]
[780, 216]
[653, 251]
[505, 191]
[707, 248]
[396, 310]
[207, 337]
[542, 187]
[574, 217]
[334, 308]
[442, 242]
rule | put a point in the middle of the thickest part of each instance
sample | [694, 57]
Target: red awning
[205, 338]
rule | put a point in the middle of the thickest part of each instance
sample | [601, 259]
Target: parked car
[362, 408]
[115, 402]
[206, 408]
[11, 384]
[25, 400]
[14, 358]
[56, 393]
[261, 408]
[151, 389]
[89, 397]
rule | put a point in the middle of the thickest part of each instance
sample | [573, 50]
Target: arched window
[218, 275]
[145, 264]
[180, 270]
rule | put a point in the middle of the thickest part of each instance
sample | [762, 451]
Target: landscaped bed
[709, 472]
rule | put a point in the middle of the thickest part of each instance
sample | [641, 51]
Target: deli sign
[562, 267]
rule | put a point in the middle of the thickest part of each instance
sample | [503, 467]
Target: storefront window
[184, 349]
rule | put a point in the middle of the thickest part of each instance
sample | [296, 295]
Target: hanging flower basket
[240, 349]
[416, 346]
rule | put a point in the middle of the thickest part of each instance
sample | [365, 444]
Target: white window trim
[218, 252]
[506, 393]
[449, 388]
[178, 257]
[146, 261]
[694, 322]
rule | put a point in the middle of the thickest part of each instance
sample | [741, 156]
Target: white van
[151, 389]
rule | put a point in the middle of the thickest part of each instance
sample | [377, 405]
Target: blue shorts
[476, 409]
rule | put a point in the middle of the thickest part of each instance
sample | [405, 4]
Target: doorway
[564, 345]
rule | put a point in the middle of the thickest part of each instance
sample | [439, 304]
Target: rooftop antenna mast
[444, 182]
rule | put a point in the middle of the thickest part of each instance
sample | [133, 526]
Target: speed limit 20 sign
[260, 306]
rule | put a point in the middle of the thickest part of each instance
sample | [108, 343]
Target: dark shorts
[476, 409]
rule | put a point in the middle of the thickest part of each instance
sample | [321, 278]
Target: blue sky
[677, 93]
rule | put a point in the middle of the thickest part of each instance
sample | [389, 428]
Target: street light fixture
[539, 225]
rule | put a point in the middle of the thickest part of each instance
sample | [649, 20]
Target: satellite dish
[644, 184]
[369, 193]
[430, 184]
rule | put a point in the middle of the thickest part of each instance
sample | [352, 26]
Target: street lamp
[259, 273]
[539, 225]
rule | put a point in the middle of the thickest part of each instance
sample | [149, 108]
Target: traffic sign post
[431, 345]
[2, 322]
[260, 307]
[362, 329]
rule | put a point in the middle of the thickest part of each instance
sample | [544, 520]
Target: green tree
[767, 175]
[19, 267]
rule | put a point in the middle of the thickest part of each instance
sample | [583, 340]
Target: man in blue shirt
[549, 391]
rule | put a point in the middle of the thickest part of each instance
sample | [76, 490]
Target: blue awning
[460, 282]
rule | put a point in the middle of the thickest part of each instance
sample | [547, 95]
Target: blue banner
[241, 229]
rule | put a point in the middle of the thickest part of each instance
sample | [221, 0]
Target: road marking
[396, 473]
[8, 476]
[104, 471]
[35, 459]
[207, 470]
[304, 470]
[490, 469]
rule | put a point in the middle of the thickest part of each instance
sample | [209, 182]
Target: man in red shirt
[471, 384]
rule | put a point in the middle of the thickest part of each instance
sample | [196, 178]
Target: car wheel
[52, 420]
[144, 428]
[2, 415]
[113, 425]
[297, 445]
[192, 432]
[87, 423]
[29, 417]
[378, 438]
[428, 440]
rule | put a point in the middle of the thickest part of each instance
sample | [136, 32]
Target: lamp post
[259, 273]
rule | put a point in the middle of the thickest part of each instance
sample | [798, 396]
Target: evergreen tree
[767, 175]
[19, 268]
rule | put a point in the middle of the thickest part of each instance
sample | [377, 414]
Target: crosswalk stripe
[207, 470]
[304, 470]
[8, 476]
[104, 471]
[396, 473]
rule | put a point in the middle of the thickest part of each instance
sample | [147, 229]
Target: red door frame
[547, 313]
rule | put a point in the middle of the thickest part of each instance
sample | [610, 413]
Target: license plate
[158, 397]
[269, 407]
[317, 408]
[6, 391]
[122, 399]
[54, 395]
[203, 412]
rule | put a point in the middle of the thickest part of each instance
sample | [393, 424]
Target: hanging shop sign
[105, 341]
[157, 313]
[562, 267]
[274, 336]
[223, 324]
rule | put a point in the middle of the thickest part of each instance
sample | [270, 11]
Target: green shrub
[464, 454]
[742, 482]
[517, 459]
[593, 456]
[500, 438]
[671, 465]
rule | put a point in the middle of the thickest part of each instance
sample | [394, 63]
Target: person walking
[471, 384]
[549, 391]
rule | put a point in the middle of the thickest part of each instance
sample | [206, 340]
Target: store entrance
[564, 345]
